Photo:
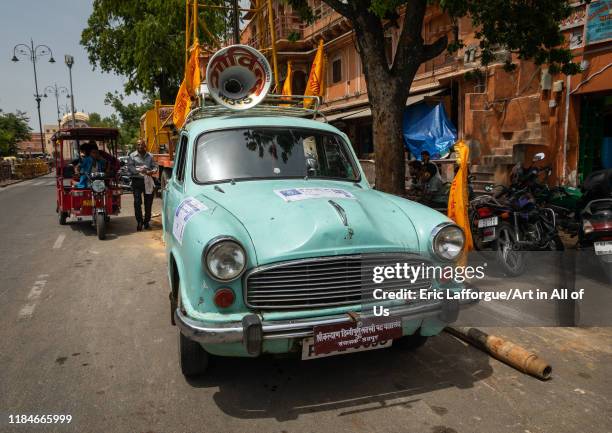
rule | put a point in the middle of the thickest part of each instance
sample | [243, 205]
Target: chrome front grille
[323, 281]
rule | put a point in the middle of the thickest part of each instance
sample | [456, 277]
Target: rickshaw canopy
[97, 133]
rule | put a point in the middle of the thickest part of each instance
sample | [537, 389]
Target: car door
[175, 187]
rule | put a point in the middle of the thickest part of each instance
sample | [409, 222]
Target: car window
[180, 160]
[261, 153]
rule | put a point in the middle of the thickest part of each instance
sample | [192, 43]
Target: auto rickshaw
[101, 196]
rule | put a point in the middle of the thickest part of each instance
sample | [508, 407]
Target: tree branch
[433, 50]
[342, 8]
[410, 41]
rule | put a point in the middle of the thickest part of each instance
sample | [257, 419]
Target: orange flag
[187, 91]
[314, 87]
[287, 90]
[458, 197]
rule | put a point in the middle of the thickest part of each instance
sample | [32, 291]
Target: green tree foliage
[526, 27]
[13, 129]
[144, 40]
[127, 117]
[96, 120]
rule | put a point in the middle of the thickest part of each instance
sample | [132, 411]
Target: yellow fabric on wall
[458, 198]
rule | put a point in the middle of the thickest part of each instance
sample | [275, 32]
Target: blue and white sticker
[184, 212]
[298, 194]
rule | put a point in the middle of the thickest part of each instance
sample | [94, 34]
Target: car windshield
[255, 153]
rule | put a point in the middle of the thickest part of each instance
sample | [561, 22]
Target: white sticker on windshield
[187, 209]
[297, 194]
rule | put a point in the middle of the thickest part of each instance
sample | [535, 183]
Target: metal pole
[273, 41]
[59, 121]
[37, 97]
[69, 62]
[236, 22]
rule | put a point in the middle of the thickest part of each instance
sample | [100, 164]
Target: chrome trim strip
[340, 211]
[232, 332]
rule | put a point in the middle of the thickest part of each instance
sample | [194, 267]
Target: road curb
[23, 180]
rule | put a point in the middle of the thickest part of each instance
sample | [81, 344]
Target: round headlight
[225, 260]
[98, 185]
[448, 242]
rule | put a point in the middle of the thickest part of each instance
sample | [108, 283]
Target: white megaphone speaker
[238, 77]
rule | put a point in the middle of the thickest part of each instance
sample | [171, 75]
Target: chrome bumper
[252, 330]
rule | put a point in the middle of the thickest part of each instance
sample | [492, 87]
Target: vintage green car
[268, 222]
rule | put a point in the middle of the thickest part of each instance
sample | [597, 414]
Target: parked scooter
[595, 222]
[511, 223]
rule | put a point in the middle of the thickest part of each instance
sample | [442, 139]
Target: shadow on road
[119, 226]
[284, 389]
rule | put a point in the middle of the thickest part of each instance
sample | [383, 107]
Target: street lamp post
[69, 60]
[34, 53]
[57, 91]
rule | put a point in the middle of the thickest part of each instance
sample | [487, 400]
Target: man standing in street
[141, 167]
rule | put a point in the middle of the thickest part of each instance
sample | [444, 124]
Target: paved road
[84, 330]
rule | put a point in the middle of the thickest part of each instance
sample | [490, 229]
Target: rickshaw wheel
[101, 226]
[62, 218]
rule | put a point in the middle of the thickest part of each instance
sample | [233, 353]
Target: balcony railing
[285, 27]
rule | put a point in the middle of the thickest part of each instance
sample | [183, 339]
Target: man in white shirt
[141, 167]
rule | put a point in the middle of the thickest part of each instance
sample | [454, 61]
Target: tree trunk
[387, 94]
[389, 147]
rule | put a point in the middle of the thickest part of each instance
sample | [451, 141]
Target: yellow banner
[315, 85]
[458, 197]
[187, 91]
[287, 90]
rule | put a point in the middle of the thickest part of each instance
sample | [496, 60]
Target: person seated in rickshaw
[93, 162]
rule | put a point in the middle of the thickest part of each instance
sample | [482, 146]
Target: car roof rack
[272, 105]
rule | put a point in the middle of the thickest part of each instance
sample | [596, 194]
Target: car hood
[282, 230]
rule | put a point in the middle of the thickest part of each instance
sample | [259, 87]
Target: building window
[337, 71]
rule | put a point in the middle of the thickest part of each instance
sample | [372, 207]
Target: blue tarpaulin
[427, 127]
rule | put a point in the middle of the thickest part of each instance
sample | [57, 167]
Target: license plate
[603, 248]
[368, 334]
[87, 203]
[488, 222]
[308, 351]
[488, 234]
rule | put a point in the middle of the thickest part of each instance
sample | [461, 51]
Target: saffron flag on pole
[187, 91]
[314, 87]
[458, 197]
[287, 90]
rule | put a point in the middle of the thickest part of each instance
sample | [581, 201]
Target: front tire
[510, 258]
[62, 218]
[101, 226]
[192, 357]
[410, 342]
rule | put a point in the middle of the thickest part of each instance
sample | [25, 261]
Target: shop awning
[343, 115]
[367, 112]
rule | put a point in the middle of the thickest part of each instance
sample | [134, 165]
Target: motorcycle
[511, 223]
[595, 222]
